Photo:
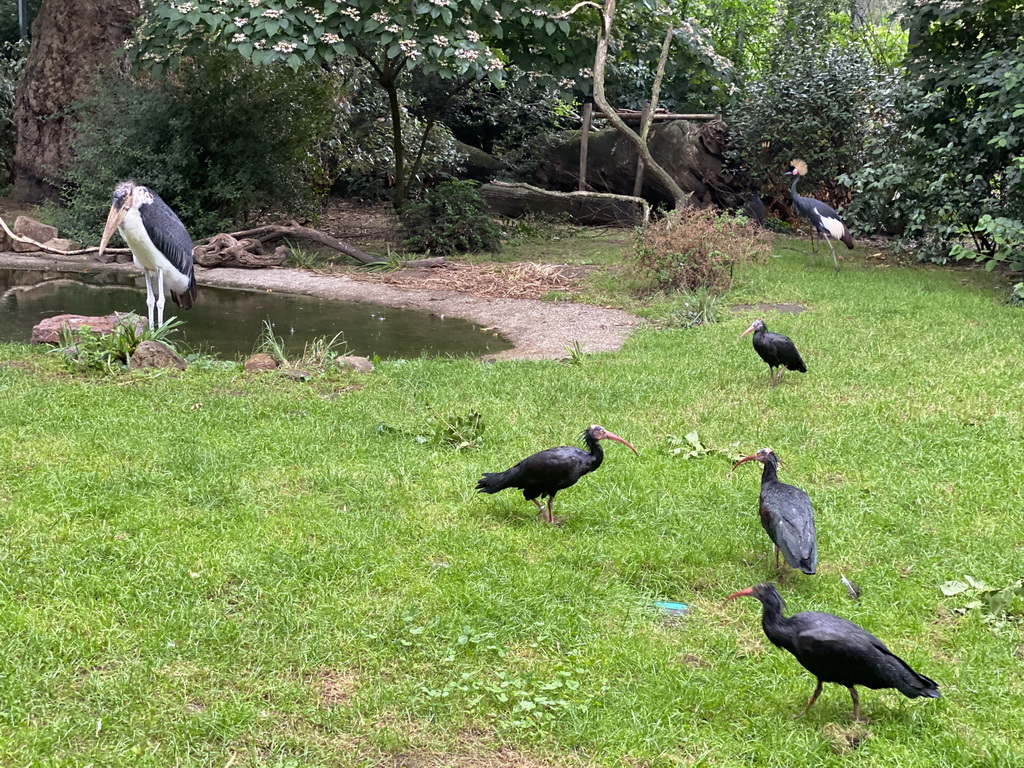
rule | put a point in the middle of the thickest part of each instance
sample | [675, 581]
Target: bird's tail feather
[914, 684]
[492, 482]
[847, 238]
[185, 300]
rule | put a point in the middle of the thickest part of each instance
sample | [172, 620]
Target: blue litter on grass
[669, 608]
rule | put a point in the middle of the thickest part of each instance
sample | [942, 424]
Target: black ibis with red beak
[548, 472]
[823, 217]
[775, 349]
[836, 650]
[786, 515]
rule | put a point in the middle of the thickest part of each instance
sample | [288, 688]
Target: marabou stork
[786, 515]
[835, 650]
[775, 349]
[825, 220]
[159, 242]
[547, 472]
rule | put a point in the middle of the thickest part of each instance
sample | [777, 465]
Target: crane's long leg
[814, 698]
[834, 259]
[856, 702]
[160, 298]
[150, 298]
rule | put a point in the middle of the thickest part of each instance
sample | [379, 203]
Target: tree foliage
[955, 176]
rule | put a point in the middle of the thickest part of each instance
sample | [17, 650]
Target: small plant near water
[451, 218]
[692, 248]
[320, 355]
[87, 350]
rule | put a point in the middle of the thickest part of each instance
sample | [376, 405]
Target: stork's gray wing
[167, 233]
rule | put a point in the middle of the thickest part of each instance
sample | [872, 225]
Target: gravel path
[538, 329]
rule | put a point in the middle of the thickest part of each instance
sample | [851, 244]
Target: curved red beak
[748, 592]
[751, 457]
[609, 436]
[752, 327]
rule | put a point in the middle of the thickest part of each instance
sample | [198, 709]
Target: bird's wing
[167, 233]
[553, 465]
[785, 351]
[832, 642]
[825, 217]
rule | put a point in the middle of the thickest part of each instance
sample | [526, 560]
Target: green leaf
[953, 588]
[245, 49]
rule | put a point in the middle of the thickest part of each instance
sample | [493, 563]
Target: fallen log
[591, 208]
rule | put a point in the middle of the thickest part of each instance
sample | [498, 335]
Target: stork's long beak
[751, 328]
[609, 436]
[748, 592]
[751, 457]
[114, 219]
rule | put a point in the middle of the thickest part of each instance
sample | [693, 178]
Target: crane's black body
[775, 349]
[786, 516]
[835, 650]
[823, 217]
[546, 473]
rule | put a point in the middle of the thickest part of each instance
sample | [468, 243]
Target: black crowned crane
[159, 242]
[824, 219]
[835, 650]
[786, 515]
[775, 349]
[547, 472]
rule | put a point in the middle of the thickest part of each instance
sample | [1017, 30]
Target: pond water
[228, 323]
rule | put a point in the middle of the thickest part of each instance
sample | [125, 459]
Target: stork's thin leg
[834, 259]
[160, 298]
[150, 297]
[856, 702]
[814, 698]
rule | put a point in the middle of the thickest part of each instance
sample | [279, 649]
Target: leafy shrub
[451, 218]
[700, 307]
[222, 141]
[12, 63]
[87, 350]
[696, 248]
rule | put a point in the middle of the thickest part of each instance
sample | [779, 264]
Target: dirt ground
[504, 296]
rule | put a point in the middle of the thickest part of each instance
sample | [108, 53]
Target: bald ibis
[159, 243]
[835, 650]
[775, 349]
[547, 472]
[786, 515]
[823, 217]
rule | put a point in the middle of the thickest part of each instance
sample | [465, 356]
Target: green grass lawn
[214, 569]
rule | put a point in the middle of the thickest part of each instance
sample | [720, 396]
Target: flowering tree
[461, 41]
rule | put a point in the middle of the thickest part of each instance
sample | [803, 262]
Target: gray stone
[62, 244]
[155, 354]
[356, 363]
[36, 230]
[47, 331]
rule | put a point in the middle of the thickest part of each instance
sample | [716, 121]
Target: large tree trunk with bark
[71, 41]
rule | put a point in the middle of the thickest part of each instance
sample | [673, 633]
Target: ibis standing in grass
[775, 349]
[835, 650]
[786, 515]
[159, 243]
[823, 217]
[547, 472]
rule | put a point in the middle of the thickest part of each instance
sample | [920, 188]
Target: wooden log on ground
[591, 208]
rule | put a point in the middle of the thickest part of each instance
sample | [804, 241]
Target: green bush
[451, 218]
[88, 350]
[12, 62]
[222, 142]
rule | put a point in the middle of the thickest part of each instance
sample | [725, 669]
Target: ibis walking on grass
[775, 349]
[547, 472]
[836, 650]
[823, 217]
[159, 243]
[786, 515]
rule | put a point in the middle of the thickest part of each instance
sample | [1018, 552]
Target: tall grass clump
[691, 249]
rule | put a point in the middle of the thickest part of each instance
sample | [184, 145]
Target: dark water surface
[228, 323]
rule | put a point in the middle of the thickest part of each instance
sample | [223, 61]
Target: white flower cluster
[184, 7]
[440, 40]
[442, 3]
[538, 12]
[253, 3]
[284, 47]
[565, 83]
[497, 17]
[239, 38]
[318, 17]
[352, 12]
[239, 21]
[493, 64]
[273, 13]
[380, 17]
[586, 73]
[473, 36]
[330, 38]
[409, 49]
[394, 29]
[467, 54]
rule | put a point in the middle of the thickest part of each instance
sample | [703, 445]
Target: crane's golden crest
[800, 165]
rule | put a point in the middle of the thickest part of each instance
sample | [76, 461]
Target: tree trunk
[71, 41]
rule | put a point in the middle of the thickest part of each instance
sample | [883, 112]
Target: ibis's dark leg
[777, 557]
[814, 698]
[856, 702]
[771, 375]
[551, 515]
[834, 259]
[540, 507]
[781, 369]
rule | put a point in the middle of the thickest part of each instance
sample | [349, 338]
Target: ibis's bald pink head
[765, 592]
[597, 432]
[757, 325]
[764, 455]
